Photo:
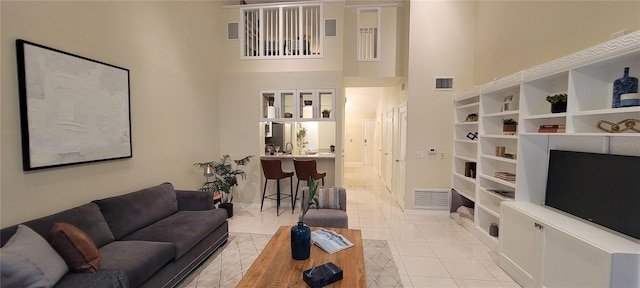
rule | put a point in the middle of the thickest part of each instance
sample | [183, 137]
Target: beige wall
[442, 47]
[170, 49]
[515, 35]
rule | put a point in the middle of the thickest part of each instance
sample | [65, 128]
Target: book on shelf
[552, 128]
[330, 241]
[507, 176]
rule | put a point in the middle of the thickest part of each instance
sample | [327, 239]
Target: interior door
[388, 149]
[402, 156]
[367, 142]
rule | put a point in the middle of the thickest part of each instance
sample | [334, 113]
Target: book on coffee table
[330, 241]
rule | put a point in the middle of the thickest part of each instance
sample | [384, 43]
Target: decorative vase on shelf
[624, 85]
[559, 107]
[300, 241]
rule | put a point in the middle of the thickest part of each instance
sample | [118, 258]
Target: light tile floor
[429, 250]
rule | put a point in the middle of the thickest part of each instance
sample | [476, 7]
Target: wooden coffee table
[274, 267]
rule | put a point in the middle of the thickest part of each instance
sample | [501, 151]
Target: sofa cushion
[76, 248]
[328, 198]
[138, 259]
[184, 229]
[103, 278]
[86, 217]
[130, 212]
[27, 260]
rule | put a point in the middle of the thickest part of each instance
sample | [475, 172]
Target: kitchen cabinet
[297, 105]
[540, 247]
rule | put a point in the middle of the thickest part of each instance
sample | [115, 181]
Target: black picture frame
[73, 109]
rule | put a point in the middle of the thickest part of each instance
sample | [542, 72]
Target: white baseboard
[427, 212]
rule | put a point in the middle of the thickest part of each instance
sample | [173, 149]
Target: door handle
[397, 160]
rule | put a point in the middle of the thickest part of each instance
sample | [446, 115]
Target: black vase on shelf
[623, 85]
[300, 241]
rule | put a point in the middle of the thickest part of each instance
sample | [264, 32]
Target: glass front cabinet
[297, 105]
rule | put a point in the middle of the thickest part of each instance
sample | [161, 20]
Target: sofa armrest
[194, 200]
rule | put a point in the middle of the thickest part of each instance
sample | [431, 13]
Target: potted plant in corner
[326, 113]
[509, 126]
[558, 102]
[225, 178]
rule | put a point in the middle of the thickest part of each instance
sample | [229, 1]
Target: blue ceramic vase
[300, 241]
[624, 85]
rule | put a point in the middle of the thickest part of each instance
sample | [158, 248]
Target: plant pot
[326, 114]
[228, 207]
[300, 241]
[509, 129]
[559, 107]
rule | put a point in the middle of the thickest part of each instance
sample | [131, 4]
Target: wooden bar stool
[272, 170]
[306, 169]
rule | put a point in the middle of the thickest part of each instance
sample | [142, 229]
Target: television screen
[601, 188]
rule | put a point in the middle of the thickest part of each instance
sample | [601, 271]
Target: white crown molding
[617, 46]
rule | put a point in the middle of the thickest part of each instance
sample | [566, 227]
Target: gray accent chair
[333, 218]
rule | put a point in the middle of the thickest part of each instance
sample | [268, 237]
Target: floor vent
[431, 198]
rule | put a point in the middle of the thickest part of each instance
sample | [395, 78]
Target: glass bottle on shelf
[623, 85]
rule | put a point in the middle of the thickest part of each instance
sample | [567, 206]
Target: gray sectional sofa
[149, 238]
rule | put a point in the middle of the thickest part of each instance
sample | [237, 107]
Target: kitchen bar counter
[290, 156]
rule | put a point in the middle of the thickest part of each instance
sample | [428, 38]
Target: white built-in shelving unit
[535, 242]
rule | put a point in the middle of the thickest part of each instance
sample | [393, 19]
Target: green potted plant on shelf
[326, 113]
[558, 102]
[509, 126]
[225, 178]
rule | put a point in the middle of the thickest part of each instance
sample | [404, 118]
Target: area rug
[227, 265]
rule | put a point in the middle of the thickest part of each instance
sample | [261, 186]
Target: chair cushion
[130, 212]
[326, 218]
[75, 247]
[328, 198]
[27, 260]
[138, 259]
[184, 229]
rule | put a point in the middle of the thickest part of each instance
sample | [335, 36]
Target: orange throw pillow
[76, 248]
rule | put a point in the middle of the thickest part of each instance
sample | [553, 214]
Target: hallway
[429, 250]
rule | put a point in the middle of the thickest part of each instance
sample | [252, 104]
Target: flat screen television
[600, 188]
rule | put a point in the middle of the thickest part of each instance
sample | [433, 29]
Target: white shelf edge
[495, 195]
[597, 134]
[465, 141]
[486, 209]
[466, 158]
[507, 160]
[477, 104]
[545, 116]
[465, 178]
[607, 111]
[497, 136]
[503, 113]
[465, 194]
[466, 123]
[500, 181]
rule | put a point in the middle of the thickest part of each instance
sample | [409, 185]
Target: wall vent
[444, 83]
[431, 198]
[232, 31]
